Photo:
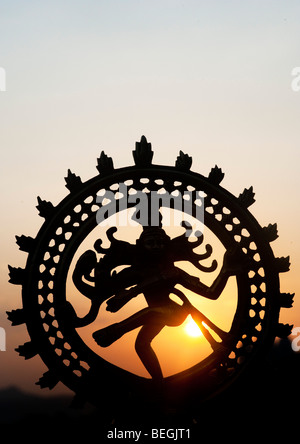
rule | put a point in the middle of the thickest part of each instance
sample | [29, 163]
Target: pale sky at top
[212, 79]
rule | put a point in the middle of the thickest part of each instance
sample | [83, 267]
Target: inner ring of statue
[130, 292]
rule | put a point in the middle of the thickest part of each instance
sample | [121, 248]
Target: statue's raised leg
[108, 335]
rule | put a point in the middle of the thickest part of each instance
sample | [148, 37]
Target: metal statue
[148, 267]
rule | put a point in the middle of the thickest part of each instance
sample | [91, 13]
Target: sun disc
[191, 328]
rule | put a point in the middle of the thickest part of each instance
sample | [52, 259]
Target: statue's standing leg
[145, 351]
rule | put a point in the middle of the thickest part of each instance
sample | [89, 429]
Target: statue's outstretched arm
[232, 265]
[124, 296]
[194, 284]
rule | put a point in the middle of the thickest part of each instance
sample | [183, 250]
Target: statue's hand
[118, 301]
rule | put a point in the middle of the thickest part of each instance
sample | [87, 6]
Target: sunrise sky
[213, 79]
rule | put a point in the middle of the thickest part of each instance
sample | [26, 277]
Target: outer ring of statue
[47, 314]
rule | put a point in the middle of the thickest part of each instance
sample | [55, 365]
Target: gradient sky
[212, 79]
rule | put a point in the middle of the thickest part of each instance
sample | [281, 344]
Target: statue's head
[153, 241]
